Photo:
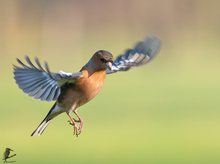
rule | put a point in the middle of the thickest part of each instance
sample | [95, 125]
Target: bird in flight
[72, 90]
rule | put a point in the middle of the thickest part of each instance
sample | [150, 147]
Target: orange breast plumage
[90, 85]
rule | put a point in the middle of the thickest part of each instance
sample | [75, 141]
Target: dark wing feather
[142, 53]
[39, 82]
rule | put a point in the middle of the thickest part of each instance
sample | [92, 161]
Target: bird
[7, 153]
[72, 90]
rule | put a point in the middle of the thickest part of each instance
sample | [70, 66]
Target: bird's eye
[103, 60]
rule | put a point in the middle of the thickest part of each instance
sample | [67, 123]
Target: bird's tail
[54, 111]
[40, 129]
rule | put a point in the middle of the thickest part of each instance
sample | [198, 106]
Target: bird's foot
[76, 130]
[80, 125]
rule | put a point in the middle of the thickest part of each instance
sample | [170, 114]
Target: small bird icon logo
[6, 155]
[72, 90]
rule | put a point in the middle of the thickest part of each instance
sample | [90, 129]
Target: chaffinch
[72, 90]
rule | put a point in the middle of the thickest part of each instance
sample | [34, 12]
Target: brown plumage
[73, 95]
[71, 90]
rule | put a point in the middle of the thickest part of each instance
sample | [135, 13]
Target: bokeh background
[165, 112]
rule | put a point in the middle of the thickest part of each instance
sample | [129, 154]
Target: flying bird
[72, 90]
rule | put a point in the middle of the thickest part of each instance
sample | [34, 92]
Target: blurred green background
[165, 112]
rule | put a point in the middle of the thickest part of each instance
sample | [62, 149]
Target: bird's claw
[76, 130]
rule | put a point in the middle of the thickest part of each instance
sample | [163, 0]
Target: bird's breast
[90, 85]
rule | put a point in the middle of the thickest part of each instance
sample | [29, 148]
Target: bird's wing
[39, 82]
[141, 54]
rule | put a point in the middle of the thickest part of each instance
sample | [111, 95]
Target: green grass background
[165, 112]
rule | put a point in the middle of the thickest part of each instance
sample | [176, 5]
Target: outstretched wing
[142, 53]
[39, 82]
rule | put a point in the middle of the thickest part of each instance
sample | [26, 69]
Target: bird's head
[102, 59]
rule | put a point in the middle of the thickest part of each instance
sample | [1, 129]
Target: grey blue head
[102, 59]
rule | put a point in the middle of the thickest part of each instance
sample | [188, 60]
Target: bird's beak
[109, 65]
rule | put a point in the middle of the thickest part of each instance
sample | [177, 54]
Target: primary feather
[141, 54]
[39, 82]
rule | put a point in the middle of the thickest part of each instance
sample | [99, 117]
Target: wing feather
[141, 54]
[39, 82]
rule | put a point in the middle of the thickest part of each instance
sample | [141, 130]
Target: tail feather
[54, 111]
[40, 129]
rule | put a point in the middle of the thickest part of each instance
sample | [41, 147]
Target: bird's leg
[79, 120]
[73, 123]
